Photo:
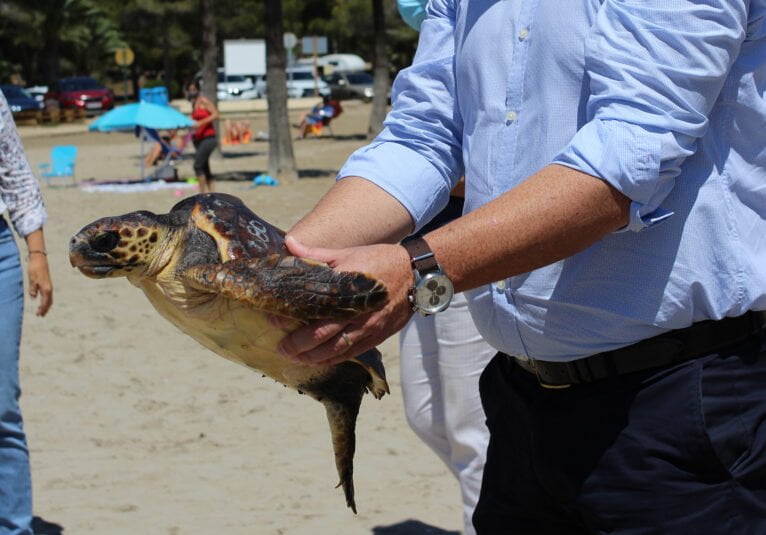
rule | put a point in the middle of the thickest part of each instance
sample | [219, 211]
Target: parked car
[83, 92]
[37, 91]
[19, 99]
[300, 83]
[235, 87]
[350, 85]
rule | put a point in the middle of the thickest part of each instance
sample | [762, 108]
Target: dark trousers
[680, 450]
[204, 148]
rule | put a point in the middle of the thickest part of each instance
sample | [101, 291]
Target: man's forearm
[354, 212]
[552, 215]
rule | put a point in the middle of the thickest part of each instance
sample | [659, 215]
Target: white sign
[309, 43]
[289, 40]
[244, 56]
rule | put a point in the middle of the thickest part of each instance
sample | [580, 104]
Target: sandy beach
[136, 429]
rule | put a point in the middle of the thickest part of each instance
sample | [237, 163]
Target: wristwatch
[432, 291]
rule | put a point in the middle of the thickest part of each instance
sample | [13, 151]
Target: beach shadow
[350, 137]
[43, 527]
[231, 155]
[250, 174]
[411, 527]
[316, 173]
[237, 175]
[346, 137]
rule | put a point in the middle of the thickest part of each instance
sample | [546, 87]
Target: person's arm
[553, 215]
[21, 194]
[561, 211]
[354, 212]
[209, 106]
[615, 172]
[411, 166]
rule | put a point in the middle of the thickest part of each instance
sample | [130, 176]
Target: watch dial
[434, 293]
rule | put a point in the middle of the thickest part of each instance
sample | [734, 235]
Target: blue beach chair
[61, 166]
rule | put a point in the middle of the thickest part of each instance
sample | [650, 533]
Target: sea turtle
[215, 270]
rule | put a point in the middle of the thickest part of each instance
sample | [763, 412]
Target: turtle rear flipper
[290, 286]
[371, 361]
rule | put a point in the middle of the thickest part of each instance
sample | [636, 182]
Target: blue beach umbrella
[144, 114]
[140, 115]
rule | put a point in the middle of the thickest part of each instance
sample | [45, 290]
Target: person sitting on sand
[237, 132]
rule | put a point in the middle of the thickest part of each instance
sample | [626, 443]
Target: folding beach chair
[165, 170]
[326, 118]
[61, 166]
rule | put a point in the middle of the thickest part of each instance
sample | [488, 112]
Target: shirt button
[523, 33]
[511, 116]
[500, 285]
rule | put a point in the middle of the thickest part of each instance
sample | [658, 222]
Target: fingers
[323, 342]
[314, 343]
[46, 297]
[46, 300]
[304, 251]
[40, 284]
[279, 322]
[327, 342]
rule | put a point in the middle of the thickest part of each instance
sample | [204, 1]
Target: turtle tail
[340, 390]
[342, 418]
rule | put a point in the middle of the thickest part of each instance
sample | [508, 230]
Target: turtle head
[131, 244]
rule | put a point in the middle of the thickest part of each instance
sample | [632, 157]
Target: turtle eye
[105, 242]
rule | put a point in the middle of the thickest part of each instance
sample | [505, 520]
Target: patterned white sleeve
[19, 190]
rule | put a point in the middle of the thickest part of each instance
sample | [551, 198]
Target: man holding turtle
[612, 249]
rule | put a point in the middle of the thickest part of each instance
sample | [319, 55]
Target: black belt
[659, 351]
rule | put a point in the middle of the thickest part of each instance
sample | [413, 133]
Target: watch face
[433, 293]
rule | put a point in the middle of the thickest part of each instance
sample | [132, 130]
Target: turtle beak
[91, 263]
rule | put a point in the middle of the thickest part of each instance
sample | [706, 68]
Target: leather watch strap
[421, 255]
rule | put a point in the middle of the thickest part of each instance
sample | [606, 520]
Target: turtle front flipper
[289, 286]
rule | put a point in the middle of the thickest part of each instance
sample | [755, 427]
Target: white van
[336, 62]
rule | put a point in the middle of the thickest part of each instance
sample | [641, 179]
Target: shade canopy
[143, 114]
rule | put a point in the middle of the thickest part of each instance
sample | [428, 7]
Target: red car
[83, 92]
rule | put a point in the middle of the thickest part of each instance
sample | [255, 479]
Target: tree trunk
[381, 82]
[167, 68]
[210, 57]
[51, 30]
[281, 158]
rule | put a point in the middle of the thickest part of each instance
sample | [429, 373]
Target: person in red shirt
[204, 114]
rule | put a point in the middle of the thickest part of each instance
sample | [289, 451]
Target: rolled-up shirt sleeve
[19, 190]
[421, 140]
[656, 68]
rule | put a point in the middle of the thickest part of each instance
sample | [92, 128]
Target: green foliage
[47, 38]
[44, 39]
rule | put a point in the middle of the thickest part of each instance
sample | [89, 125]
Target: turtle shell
[238, 231]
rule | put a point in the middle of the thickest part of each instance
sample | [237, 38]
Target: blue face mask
[413, 12]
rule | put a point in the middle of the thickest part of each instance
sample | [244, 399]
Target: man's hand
[332, 341]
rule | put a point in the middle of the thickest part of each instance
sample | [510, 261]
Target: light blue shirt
[663, 99]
